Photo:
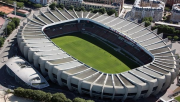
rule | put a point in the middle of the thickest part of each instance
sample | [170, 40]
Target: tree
[52, 6]
[82, 8]
[150, 19]
[29, 93]
[19, 92]
[175, 37]
[71, 7]
[16, 21]
[48, 97]
[37, 5]
[91, 9]
[58, 97]
[147, 23]
[1, 41]
[12, 24]
[2, 13]
[116, 14]
[177, 32]
[9, 29]
[20, 4]
[169, 37]
[111, 11]
[96, 10]
[23, 0]
[77, 9]
[61, 6]
[167, 9]
[102, 10]
[89, 101]
[79, 100]
[39, 95]
[164, 18]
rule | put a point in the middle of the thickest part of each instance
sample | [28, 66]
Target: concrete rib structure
[158, 62]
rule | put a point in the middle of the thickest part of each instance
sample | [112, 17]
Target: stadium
[156, 68]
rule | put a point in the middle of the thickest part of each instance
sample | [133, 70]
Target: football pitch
[94, 53]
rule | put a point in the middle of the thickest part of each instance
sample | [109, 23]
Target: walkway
[12, 98]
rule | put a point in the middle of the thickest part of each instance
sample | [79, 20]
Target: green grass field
[94, 53]
[177, 98]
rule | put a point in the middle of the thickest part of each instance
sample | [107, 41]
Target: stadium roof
[26, 73]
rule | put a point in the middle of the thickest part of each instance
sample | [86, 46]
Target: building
[172, 2]
[108, 4]
[148, 8]
[159, 69]
[25, 74]
[175, 13]
[42, 2]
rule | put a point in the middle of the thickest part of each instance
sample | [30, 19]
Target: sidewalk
[11, 98]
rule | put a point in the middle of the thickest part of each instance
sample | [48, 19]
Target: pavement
[127, 10]
[175, 45]
[11, 98]
[2, 20]
[3, 26]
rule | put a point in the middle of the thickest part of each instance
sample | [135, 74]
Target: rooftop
[149, 4]
[97, 4]
[26, 72]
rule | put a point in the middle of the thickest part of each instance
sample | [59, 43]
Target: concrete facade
[116, 4]
[172, 2]
[150, 8]
[43, 2]
[175, 13]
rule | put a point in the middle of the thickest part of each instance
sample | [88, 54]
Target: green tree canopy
[37, 5]
[71, 7]
[150, 19]
[12, 24]
[96, 10]
[20, 4]
[147, 23]
[61, 6]
[175, 37]
[1, 41]
[58, 97]
[16, 21]
[9, 29]
[167, 9]
[52, 6]
[19, 92]
[102, 10]
[91, 9]
[169, 37]
[79, 100]
[111, 11]
[82, 8]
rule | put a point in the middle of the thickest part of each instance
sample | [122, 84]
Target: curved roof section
[26, 73]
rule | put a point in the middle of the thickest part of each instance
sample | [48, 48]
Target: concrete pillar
[59, 78]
